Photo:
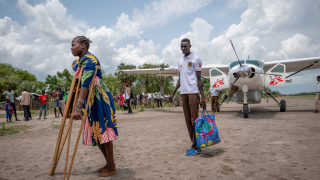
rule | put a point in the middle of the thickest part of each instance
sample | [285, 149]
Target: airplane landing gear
[282, 103]
[282, 106]
[245, 111]
[245, 101]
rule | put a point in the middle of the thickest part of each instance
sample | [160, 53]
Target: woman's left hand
[77, 115]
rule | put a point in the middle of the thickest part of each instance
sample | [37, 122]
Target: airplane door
[218, 79]
[275, 77]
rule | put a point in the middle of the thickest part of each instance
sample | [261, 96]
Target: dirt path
[152, 145]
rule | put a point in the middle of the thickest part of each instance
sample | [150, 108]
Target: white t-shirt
[319, 86]
[187, 66]
[214, 92]
[126, 95]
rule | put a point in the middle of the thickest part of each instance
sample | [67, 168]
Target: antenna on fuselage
[236, 53]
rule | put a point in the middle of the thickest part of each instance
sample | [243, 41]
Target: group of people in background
[59, 95]
[10, 106]
[60, 98]
[128, 100]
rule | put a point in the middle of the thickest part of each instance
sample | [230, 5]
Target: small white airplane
[246, 79]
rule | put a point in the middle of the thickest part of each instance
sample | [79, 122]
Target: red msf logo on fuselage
[217, 84]
[275, 80]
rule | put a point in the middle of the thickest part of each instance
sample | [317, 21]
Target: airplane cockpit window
[234, 63]
[256, 63]
[215, 72]
[278, 69]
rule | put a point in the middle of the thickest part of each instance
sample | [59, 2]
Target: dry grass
[12, 129]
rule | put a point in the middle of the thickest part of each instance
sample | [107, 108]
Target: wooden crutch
[56, 155]
[83, 119]
[65, 135]
[70, 122]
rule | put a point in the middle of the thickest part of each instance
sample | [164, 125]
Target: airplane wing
[173, 71]
[294, 65]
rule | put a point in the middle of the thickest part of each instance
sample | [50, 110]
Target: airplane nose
[243, 71]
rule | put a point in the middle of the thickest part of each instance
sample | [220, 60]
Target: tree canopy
[154, 83]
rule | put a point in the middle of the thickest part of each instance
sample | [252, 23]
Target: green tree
[125, 77]
[112, 82]
[64, 78]
[33, 87]
[11, 76]
[154, 83]
[51, 81]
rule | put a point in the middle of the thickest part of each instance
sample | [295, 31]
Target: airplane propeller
[236, 53]
[241, 72]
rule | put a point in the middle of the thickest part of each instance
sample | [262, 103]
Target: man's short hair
[318, 77]
[127, 85]
[186, 40]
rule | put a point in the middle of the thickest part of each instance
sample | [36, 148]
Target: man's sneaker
[189, 150]
[315, 111]
[192, 152]
[39, 118]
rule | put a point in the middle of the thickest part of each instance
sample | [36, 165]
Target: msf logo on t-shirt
[199, 64]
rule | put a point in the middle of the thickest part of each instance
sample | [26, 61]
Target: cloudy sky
[36, 34]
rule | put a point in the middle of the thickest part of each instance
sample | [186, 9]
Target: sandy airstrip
[152, 144]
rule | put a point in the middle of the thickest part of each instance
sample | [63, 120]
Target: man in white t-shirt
[190, 84]
[215, 93]
[10, 94]
[127, 92]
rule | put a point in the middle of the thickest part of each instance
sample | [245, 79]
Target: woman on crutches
[100, 126]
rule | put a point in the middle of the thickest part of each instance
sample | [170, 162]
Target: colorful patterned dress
[100, 125]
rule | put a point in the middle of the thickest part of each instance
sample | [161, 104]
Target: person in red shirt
[44, 100]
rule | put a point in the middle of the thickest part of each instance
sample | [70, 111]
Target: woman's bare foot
[103, 168]
[106, 173]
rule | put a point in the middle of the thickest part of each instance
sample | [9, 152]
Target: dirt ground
[152, 145]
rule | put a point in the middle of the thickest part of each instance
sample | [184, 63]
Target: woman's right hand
[77, 115]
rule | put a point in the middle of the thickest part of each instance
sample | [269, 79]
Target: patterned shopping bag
[206, 131]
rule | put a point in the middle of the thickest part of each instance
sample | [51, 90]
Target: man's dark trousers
[128, 104]
[190, 105]
[26, 112]
[159, 101]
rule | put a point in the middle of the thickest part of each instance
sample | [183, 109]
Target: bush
[117, 106]
[141, 108]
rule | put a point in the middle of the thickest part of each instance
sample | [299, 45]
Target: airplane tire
[245, 111]
[282, 106]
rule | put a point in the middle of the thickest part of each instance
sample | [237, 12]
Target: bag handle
[203, 111]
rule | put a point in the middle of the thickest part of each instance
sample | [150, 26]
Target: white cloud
[43, 45]
[160, 12]
[50, 21]
[144, 53]
[269, 30]
[5, 26]
[125, 27]
[264, 26]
